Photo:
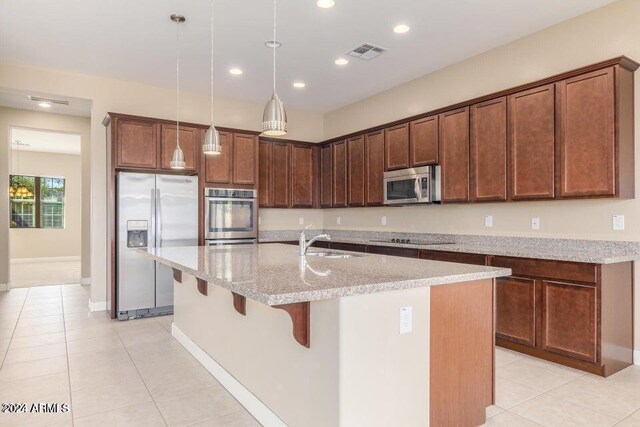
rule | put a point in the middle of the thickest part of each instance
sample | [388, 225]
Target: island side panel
[298, 384]
[462, 353]
[384, 375]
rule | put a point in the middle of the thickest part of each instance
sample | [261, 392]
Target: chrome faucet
[304, 245]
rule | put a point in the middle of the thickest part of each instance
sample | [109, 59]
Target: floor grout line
[4, 357]
[66, 348]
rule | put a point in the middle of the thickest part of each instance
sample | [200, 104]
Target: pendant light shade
[211, 145]
[177, 158]
[274, 118]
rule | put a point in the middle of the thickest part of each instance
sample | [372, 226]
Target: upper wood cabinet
[281, 174]
[488, 151]
[326, 176]
[302, 176]
[532, 143]
[189, 142]
[217, 167]
[586, 135]
[265, 169]
[340, 174]
[356, 171]
[374, 168]
[136, 143]
[454, 155]
[245, 159]
[396, 151]
[423, 143]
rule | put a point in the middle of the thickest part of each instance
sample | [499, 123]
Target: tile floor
[135, 374]
[111, 373]
[29, 274]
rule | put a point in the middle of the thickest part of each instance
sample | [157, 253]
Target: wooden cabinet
[459, 257]
[326, 176]
[516, 310]
[217, 168]
[356, 171]
[454, 155]
[189, 142]
[423, 142]
[353, 247]
[374, 168]
[339, 174]
[302, 181]
[280, 176]
[532, 143]
[569, 319]
[396, 147]
[586, 134]
[245, 159]
[488, 151]
[265, 170]
[393, 251]
[136, 143]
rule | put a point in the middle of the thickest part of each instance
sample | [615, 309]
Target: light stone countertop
[275, 274]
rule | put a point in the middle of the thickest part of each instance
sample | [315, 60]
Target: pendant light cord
[211, 62]
[274, 46]
[178, 84]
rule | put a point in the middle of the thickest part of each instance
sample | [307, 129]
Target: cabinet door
[218, 166]
[340, 174]
[459, 257]
[280, 174]
[396, 147]
[265, 195]
[423, 146]
[516, 310]
[301, 176]
[532, 143]
[454, 155]
[189, 142]
[137, 143]
[245, 153]
[326, 176]
[374, 168]
[569, 319]
[355, 155]
[586, 135]
[488, 152]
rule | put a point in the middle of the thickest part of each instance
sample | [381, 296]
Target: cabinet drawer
[459, 257]
[394, 251]
[573, 271]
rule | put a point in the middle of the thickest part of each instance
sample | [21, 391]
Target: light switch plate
[301, 220]
[488, 221]
[383, 220]
[618, 222]
[405, 320]
[338, 220]
[535, 223]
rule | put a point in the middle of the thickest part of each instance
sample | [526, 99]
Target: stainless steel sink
[334, 255]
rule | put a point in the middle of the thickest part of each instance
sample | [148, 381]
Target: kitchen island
[336, 338]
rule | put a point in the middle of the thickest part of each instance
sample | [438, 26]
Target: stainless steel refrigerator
[153, 211]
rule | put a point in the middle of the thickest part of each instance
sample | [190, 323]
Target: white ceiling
[19, 99]
[135, 40]
[44, 141]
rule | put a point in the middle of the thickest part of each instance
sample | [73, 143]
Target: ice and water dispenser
[137, 234]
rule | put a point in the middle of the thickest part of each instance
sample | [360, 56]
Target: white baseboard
[259, 410]
[4, 287]
[636, 357]
[44, 259]
[97, 306]
[85, 281]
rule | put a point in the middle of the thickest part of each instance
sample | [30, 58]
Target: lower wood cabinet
[516, 310]
[393, 251]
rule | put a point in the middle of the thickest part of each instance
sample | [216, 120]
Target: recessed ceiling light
[272, 43]
[401, 29]
[44, 104]
[235, 71]
[341, 61]
[299, 85]
[325, 4]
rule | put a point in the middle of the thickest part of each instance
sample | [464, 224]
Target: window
[36, 202]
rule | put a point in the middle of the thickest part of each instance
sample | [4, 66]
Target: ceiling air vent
[49, 100]
[367, 51]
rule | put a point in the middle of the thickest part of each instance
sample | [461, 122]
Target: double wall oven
[230, 216]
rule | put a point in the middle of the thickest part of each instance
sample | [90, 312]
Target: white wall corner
[97, 306]
[636, 357]
[85, 281]
[259, 410]
[4, 287]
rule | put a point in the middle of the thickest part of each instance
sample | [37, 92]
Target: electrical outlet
[618, 222]
[338, 220]
[488, 221]
[301, 220]
[405, 320]
[383, 220]
[535, 223]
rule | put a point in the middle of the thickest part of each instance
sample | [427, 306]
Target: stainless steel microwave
[414, 185]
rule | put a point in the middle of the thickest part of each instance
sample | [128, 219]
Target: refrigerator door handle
[152, 229]
[158, 218]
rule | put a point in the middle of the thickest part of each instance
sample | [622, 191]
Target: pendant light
[177, 158]
[274, 118]
[21, 190]
[211, 145]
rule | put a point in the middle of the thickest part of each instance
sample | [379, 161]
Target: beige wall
[50, 242]
[605, 33]
[54, 122]
[289, 219]
[131, 98]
